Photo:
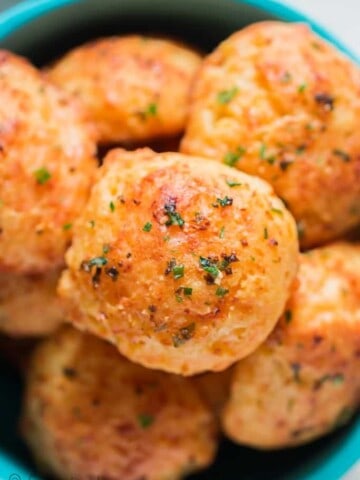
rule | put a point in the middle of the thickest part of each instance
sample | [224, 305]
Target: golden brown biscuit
[304, 381]
[184, 264]
[88, 412]
[46, 168]
[276, 101]
[29, 306]
[134, 88]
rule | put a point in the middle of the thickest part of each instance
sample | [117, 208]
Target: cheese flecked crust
[89, 412]
[134, 88]
[46, 168]
[184, 264]
[276, 101]
[303, 382]
[29, 305]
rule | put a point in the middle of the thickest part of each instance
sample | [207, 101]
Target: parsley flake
[151, 110]
[112, 206]
[233, 183]
[42, 175]
[174, 218]
[231, 158]
[262, 154]
[147, 227]
[277, 211]
[209, 267]
[67, 226]
[178, 271]
[225, 96]
[145, 420]
[223, 202]
[86, 265]
[106, 248]
[221, 292]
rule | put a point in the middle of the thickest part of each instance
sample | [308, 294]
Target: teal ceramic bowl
[42, 30]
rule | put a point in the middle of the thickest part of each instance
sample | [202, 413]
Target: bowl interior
[44, 29]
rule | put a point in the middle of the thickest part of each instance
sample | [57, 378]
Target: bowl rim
[28, 10]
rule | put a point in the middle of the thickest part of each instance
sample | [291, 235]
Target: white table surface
[341, 17]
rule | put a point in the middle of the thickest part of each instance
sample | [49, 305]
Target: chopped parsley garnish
[262, 151]
[179, 299]
[302, 87]
[178, 271]
[92, 223]
[174, 218]
[221, 292]
[86, 265]
[187, 291]
[106, 248]
[223, 202]
[151, 110]
[145, 420]
[231, 158]
[112, 206]
[42, 175]
[225, 96]
[277, 211]
[209, 266]
[233, 183]
[147, 227]
[67, 226]
[341, 154]
[222, 232]
[262, 154]
[288, 316]
[266, 234]
[183, 335]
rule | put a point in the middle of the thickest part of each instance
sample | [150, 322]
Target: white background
[341, 17]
